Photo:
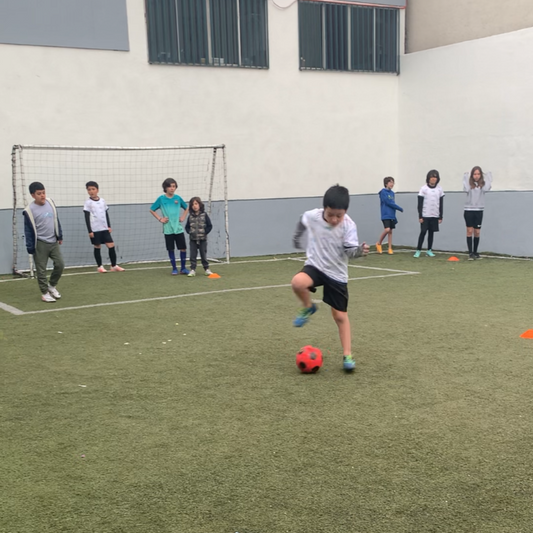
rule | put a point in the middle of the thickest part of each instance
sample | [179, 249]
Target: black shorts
[101, 237]
[177, 238]
[473, 219]
[335, 292]
[388, 223]
[431, 224]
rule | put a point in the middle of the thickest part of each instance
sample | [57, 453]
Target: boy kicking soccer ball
[331, 240]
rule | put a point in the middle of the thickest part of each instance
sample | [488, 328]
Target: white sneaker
[47, 297]
[54, 292]
[208, 272]
[191, 274]
[117, 268]
[101, 269]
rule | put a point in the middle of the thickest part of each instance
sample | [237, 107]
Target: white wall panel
[289, 133]
[468, 104]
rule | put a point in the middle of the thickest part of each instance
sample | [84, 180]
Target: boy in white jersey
[99, 227]
[331, 240]
[430, 211]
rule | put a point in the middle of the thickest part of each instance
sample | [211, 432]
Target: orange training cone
[213, 276]
[527, 334]
[453, 258]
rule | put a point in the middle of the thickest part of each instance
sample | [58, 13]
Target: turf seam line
[160, 298]
[368, 267]
[92, 272]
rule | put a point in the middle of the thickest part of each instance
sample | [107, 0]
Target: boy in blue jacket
[388, 213]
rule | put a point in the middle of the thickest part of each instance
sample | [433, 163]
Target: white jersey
[432, 196]
[329, 247]
[97, 209]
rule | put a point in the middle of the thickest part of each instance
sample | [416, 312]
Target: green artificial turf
[188, 414]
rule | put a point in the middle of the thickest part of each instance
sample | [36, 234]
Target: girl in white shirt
[430, 211]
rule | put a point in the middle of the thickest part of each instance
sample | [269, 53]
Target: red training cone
[453, 258]
[527, 334]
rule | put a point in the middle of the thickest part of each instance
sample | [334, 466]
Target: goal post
[130, 180]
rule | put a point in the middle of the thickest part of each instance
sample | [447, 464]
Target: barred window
[223, 33]
[348, 38]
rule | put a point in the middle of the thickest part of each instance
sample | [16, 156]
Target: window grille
[222, 33]
[348, 38]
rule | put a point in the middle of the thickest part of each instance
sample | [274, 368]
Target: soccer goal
[129, 180]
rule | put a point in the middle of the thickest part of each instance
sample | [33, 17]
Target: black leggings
[422, 236]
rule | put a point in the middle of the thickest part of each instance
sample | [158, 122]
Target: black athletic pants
[194, 247]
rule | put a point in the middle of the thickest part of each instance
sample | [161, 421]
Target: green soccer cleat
[348, 363]
[303, 316]
[417, 254]
[429, 253]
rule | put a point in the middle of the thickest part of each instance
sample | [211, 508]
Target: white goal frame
[21, 180]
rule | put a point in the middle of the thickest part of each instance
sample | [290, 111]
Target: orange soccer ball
[309, 360]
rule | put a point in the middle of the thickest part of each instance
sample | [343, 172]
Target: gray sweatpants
[43, 252]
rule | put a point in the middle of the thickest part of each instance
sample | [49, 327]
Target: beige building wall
[434, 23]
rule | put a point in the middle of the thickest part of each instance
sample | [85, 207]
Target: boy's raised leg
[301, 285]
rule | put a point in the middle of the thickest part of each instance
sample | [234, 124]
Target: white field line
[135, 269]
[367, 267]
[385, 269]
[11, 309]
[501, 257]
[508, 258]
[206, 293]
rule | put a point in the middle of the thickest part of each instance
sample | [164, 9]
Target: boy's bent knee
[301, 282]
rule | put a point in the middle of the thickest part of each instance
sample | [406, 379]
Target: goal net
[130, 180]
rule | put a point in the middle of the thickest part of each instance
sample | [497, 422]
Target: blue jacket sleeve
[29, 235]
[60, 236]
[386, 200]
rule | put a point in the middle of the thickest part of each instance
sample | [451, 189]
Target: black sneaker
[471, 257]
[477, 256]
